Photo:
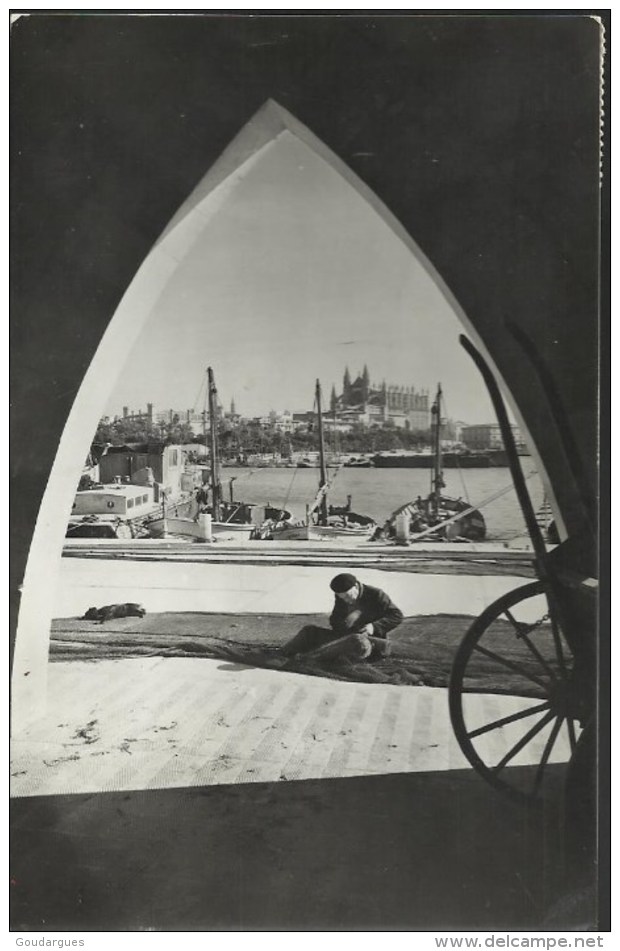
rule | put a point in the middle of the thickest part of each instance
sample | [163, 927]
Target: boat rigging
[322, 520]
[228, 518]
[438, 515]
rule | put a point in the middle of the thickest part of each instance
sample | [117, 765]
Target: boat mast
[323, 471]
[437, 482]
[204, 417]
[216, 488]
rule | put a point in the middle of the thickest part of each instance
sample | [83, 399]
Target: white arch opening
[176, 255]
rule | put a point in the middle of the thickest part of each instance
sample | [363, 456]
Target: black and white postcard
[306, 312]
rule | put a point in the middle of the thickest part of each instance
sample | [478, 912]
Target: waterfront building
[488, 436]
[189, 417]
[304, 420]
[146, 417]
[284, 422]
[367, 404]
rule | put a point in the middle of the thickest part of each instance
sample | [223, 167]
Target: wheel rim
[511, 697]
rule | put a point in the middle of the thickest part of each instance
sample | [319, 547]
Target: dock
[484, 558]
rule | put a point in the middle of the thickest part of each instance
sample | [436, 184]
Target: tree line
[249, 437]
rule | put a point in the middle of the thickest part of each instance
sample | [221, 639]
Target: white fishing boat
[115, 510]
[437, 515]
[224, 520]
[322, 521]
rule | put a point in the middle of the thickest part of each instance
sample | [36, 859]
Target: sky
[295, 278]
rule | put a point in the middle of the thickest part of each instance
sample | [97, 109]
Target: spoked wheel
[513, 705]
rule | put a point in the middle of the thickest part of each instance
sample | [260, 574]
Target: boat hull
[291, 533]
[232, 530]
[98, 528]
[427, 461]
[188, 528]
[471, 525]
[321, 532]
[305, 533]
[498, 457]
[403, 462]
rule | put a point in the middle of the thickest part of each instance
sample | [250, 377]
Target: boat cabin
[134, 460]
[119, 499]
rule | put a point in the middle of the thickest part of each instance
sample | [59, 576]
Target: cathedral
[402, 406]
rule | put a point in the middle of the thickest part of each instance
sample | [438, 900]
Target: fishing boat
[227, 520]
[115, 510]
[437, 515]
[425, 459]
[322, 521]
[99, 526]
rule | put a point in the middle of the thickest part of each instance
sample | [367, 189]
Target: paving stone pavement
[154, 723]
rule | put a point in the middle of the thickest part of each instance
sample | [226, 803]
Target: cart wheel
[513, 709]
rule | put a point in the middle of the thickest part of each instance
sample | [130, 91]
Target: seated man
[360, 621]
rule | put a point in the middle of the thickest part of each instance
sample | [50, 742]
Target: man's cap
[342, 583]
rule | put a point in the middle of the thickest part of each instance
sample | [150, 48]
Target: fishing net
[422, 647]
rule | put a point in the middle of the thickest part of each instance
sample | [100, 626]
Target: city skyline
[294, 278]
[230, 407]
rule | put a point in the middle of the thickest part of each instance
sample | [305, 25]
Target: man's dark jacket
[375, 608]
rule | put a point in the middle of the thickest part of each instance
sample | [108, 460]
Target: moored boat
[99, 526]
[405, 459]
[322, 521]
[226, 520]
[437, 515]
[114, 510]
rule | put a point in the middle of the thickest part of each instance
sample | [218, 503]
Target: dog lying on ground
[110, 611]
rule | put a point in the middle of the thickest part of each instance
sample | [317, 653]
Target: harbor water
[378, 492]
